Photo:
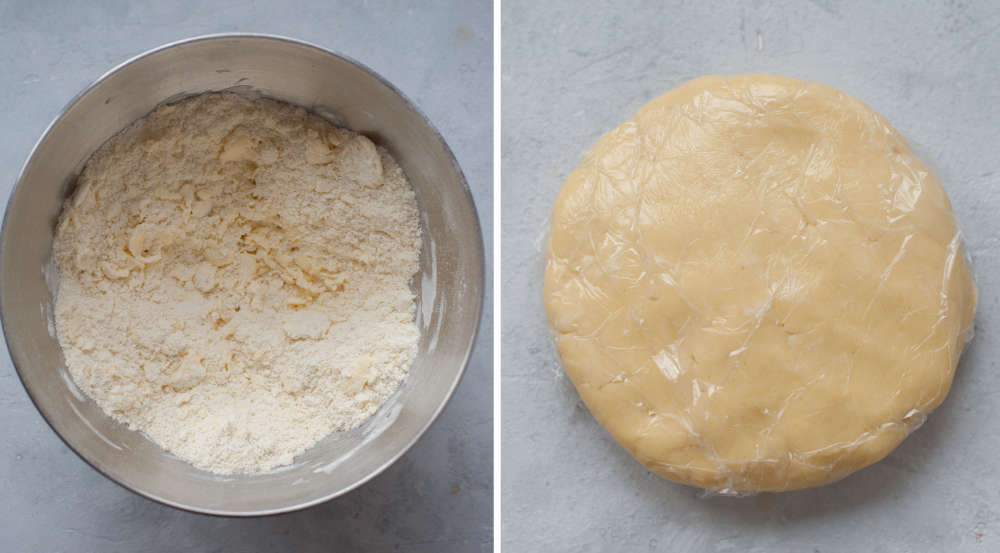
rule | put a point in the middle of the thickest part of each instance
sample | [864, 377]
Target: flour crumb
[234, 280]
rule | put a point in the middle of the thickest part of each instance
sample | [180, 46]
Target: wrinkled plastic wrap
[756, 286]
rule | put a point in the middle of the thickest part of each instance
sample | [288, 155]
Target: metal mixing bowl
[449, 286]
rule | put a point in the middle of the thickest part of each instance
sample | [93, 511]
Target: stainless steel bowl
[449, 286]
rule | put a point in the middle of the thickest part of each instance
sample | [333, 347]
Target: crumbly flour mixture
[234, 280]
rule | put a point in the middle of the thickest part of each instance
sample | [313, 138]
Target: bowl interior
[449, 285]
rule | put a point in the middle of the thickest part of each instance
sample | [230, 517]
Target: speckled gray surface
[574, 70]
[438, 497]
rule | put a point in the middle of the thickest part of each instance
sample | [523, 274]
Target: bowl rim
[466, 355]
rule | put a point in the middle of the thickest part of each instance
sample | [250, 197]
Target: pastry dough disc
[756, 286]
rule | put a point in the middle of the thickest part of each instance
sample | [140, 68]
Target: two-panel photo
[534, 277]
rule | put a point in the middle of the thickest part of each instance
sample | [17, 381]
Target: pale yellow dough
[756, 286]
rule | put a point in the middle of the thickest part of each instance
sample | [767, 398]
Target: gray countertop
[574, 70]
[438, 497]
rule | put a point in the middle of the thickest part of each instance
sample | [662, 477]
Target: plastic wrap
[756, 286]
